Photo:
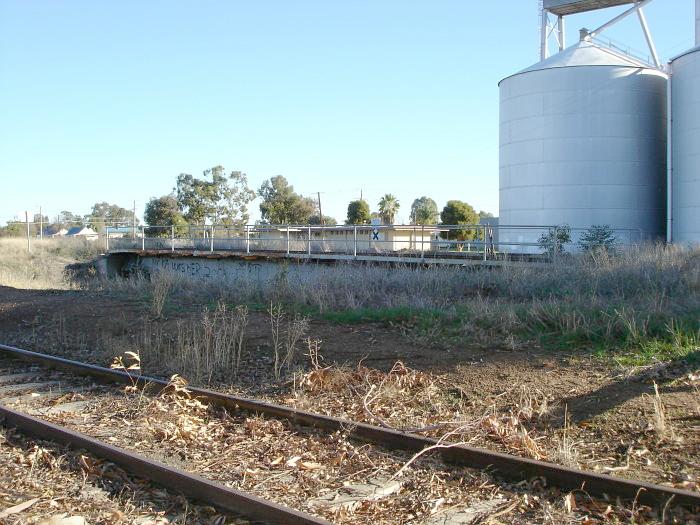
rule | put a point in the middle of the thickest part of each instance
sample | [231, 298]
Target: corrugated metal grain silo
[583, 142]
[685, 145]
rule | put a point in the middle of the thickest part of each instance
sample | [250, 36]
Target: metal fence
[477, 241]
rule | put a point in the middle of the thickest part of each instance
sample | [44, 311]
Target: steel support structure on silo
[557, 28]
[547, 29]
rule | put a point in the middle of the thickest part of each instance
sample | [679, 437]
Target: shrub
[555, 239]
[598, 238]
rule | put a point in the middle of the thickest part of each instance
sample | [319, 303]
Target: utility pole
[29, 242]
[320, 211]
[41, 224]
[133, 227]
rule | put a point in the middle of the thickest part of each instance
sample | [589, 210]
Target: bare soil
[565, 406]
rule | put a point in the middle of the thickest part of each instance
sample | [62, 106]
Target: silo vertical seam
[669, 157]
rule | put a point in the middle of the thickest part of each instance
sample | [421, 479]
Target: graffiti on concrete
[208, 270]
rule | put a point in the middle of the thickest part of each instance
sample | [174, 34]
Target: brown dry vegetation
[40, 482]
[317, 472]
[46, 266]
[591, 364]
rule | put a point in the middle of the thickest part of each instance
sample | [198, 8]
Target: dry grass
[567, 449]
[161, 284]
[660, 423]
[414, 401]
[644, 300]
[320, 473]
[209, 347]
[44, 267]
[286, 331]
[694, 381]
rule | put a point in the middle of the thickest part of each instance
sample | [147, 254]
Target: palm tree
[388, 206]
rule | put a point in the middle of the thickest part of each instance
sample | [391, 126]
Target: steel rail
[505, 465]
[190, 485]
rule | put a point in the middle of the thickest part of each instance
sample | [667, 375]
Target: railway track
[29, 397]
[26, 383]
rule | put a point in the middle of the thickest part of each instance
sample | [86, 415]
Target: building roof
[80, 230]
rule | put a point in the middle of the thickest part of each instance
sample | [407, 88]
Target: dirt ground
[566, 406]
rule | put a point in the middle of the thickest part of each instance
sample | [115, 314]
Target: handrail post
[309, 247]
[172, 237]
[143, 238]
[422, 237]
[287, 239]
[106, 237]
[211, 239]
[483, 236]
[247, 238]
[355, 242]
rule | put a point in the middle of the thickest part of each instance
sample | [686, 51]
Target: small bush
[554, 241]
[598, 238]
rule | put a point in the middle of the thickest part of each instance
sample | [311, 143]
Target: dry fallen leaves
[64, 520]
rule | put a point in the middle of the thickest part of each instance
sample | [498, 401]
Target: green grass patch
[399, 314]
[656, 350]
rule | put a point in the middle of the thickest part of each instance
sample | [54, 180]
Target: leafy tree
[282, 205]
[67, 219]
[111, 214]
[223, 199]
[164, 211]
[328, 221]
[424, 211]
[14, 229]
[388, 207]
[598, 238]
[554, 240]
[485, 215]
[358, 212]
[459, 212]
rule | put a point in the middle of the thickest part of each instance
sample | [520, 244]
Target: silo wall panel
[685, 97]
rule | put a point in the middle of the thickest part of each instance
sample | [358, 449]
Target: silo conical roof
[585, 53]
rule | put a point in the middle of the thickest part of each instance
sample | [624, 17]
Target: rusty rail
[505, 465]
[179, 481]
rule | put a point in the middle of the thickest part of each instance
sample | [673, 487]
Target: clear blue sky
[112, 100]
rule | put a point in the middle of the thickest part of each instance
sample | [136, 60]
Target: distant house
[82, 232]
